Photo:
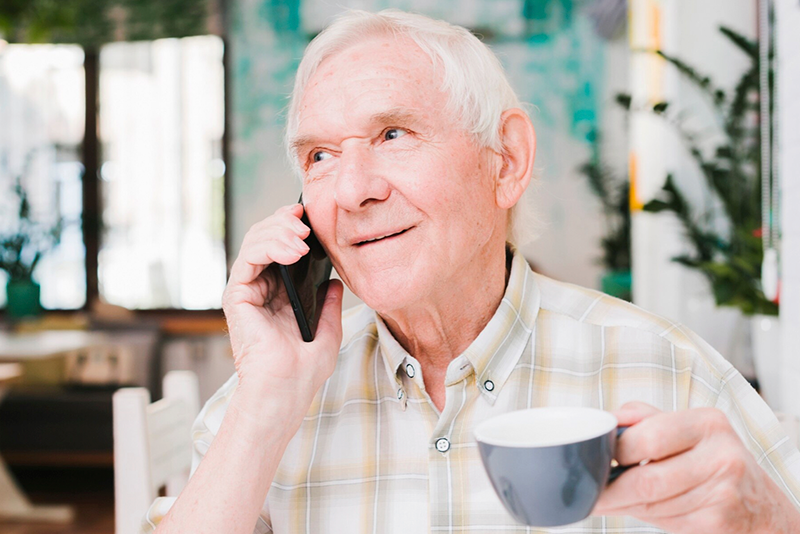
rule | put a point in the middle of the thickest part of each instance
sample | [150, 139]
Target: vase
[766, 339]
[23, 299]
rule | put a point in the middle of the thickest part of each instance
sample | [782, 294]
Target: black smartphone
[304, 279]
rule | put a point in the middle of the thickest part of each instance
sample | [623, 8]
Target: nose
[359, 181]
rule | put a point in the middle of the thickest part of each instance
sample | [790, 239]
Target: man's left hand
[698, 476]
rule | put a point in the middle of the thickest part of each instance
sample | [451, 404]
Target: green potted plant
[613, 192]
[731, 260]
[21, 248]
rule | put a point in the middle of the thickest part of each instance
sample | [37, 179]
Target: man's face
[382, 157]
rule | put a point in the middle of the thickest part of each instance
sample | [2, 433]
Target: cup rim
[485, 427]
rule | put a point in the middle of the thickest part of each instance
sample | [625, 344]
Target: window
[42, 117]
[160, 126]
[161, 122]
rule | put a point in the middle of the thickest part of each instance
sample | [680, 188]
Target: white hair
[473, 77]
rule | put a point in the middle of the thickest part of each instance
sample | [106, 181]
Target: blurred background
[140, 139]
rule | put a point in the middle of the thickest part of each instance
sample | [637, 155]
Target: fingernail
[299, 245]
[300, 227]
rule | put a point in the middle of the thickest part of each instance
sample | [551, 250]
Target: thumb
[329, 327]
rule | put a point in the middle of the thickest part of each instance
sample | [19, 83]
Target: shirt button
[410, 371]
[400, 394]
[488, 385]
[442, 445]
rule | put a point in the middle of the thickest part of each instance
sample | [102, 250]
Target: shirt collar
[393, 353]
[497, 349]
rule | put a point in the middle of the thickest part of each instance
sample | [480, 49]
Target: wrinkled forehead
[370, 77]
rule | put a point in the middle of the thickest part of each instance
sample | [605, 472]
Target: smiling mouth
[377, 239]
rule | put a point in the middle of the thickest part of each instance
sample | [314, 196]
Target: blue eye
[394, 133]
[319, 156]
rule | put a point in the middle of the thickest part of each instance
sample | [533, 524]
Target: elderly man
[413, 152]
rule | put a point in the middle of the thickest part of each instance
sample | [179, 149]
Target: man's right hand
[271, 358]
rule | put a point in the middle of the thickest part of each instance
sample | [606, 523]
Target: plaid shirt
[374, 454]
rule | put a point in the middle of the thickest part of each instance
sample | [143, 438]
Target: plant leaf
[743, 43]
[624, 100]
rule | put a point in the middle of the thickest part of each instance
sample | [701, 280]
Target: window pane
[42, 117]
[161, 124]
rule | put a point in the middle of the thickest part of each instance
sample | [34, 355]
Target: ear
[518, 139]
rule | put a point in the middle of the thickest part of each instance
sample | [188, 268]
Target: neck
[440, 327]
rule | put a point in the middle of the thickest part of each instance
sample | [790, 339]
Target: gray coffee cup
[549, 465]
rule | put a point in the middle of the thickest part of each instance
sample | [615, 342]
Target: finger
[286, 228]
[662, 435]
[329, 328]
[657, 481]
[296, 209]
[632, 412]
[684, 504]
[292, 220]
[245, 272]
[251, 263]
[271, 244]
[257, 250]
[292, 211]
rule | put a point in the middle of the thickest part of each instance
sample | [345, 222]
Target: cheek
[465, 192]
[321, 212]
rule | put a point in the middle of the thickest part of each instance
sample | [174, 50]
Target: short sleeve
[762, 433]
[204, 428]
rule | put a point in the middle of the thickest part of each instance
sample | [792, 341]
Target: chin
[385, 295]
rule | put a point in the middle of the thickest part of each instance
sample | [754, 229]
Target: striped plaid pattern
[375, 455]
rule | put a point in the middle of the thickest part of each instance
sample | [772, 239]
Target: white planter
[766, 338]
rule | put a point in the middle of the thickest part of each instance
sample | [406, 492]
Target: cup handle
[618, 469]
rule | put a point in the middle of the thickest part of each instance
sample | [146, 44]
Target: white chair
[152, 445]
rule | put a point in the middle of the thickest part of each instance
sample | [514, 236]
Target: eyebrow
[393, 117]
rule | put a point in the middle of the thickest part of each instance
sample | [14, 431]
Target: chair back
[152, 445]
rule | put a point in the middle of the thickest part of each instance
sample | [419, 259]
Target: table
[14, 349]
[45, 344]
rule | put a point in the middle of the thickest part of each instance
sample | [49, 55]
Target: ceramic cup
[549, 465]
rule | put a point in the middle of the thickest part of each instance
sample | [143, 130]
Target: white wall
[788, 48]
